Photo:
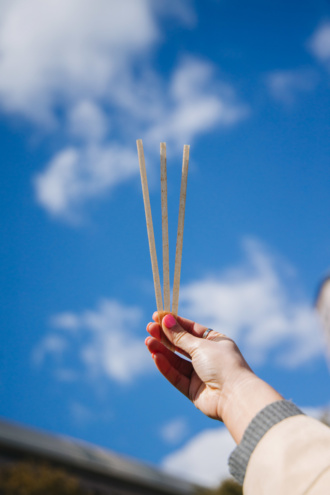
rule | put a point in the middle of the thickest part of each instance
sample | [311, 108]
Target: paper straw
[150, 229]
[179, 240]
[166, 260]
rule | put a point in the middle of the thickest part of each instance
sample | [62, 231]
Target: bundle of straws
[163, 310]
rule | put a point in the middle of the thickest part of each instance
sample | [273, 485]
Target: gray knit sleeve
[261, 423]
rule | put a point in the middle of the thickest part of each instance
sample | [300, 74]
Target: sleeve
[292, 457]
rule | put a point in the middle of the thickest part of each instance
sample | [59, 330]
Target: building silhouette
[98, 470]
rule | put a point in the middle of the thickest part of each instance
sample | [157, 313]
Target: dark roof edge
[89, 457]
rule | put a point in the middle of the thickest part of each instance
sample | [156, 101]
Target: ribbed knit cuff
[261, 423]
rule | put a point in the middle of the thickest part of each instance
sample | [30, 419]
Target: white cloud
[198, 103]
[64, 52]
[80, 413]
[55, 51]
[284, 85]
[67, 321]
[103, 341]
[193, 104]
[88, 122]
[82, 69]
[83, 415]
[174, 431]
[52, 344]
[77, 174]
[316, 412]
[252, 304]
[203, 460]
[319, 44]
[63, 49]
[181, 9]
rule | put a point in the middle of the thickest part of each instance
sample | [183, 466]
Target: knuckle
[179, 338]
[177, 380]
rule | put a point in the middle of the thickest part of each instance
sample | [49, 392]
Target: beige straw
[179, 241]
[150, 229]
[166, 261]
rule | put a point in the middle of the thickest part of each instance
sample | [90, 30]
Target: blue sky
[247, 86]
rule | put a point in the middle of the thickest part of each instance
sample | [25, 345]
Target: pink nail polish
[169, 321]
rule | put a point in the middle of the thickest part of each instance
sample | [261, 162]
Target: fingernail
[153, 355]
[146, 341]
[169, 321]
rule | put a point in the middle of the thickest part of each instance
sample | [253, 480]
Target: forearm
[243, 398]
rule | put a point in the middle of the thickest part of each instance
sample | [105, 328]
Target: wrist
[243, 398]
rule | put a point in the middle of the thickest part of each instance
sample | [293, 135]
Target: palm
[203, 396]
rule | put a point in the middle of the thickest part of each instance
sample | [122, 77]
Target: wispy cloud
[197, 102]
[76, 174]
[52, 344]
[56, 51]
[174, 431]
[102, 344]
[319, 44]
[191, 103]
[286, 85]
[83, 70]
[83, 415]
[80, 413]
[252, 304]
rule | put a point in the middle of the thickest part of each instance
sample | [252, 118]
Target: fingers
[177, 379]
[178, 336]
[194, 328]
[156, 331]
[183, 366]
[191, 326]
[188, 325]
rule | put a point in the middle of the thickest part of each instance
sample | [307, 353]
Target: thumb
[178, 336]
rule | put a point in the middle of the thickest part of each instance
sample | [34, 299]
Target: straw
[179, 241]
[166, 261]
[150, 229]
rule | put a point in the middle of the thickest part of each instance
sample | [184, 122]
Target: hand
[216, 362]
[217, 380]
